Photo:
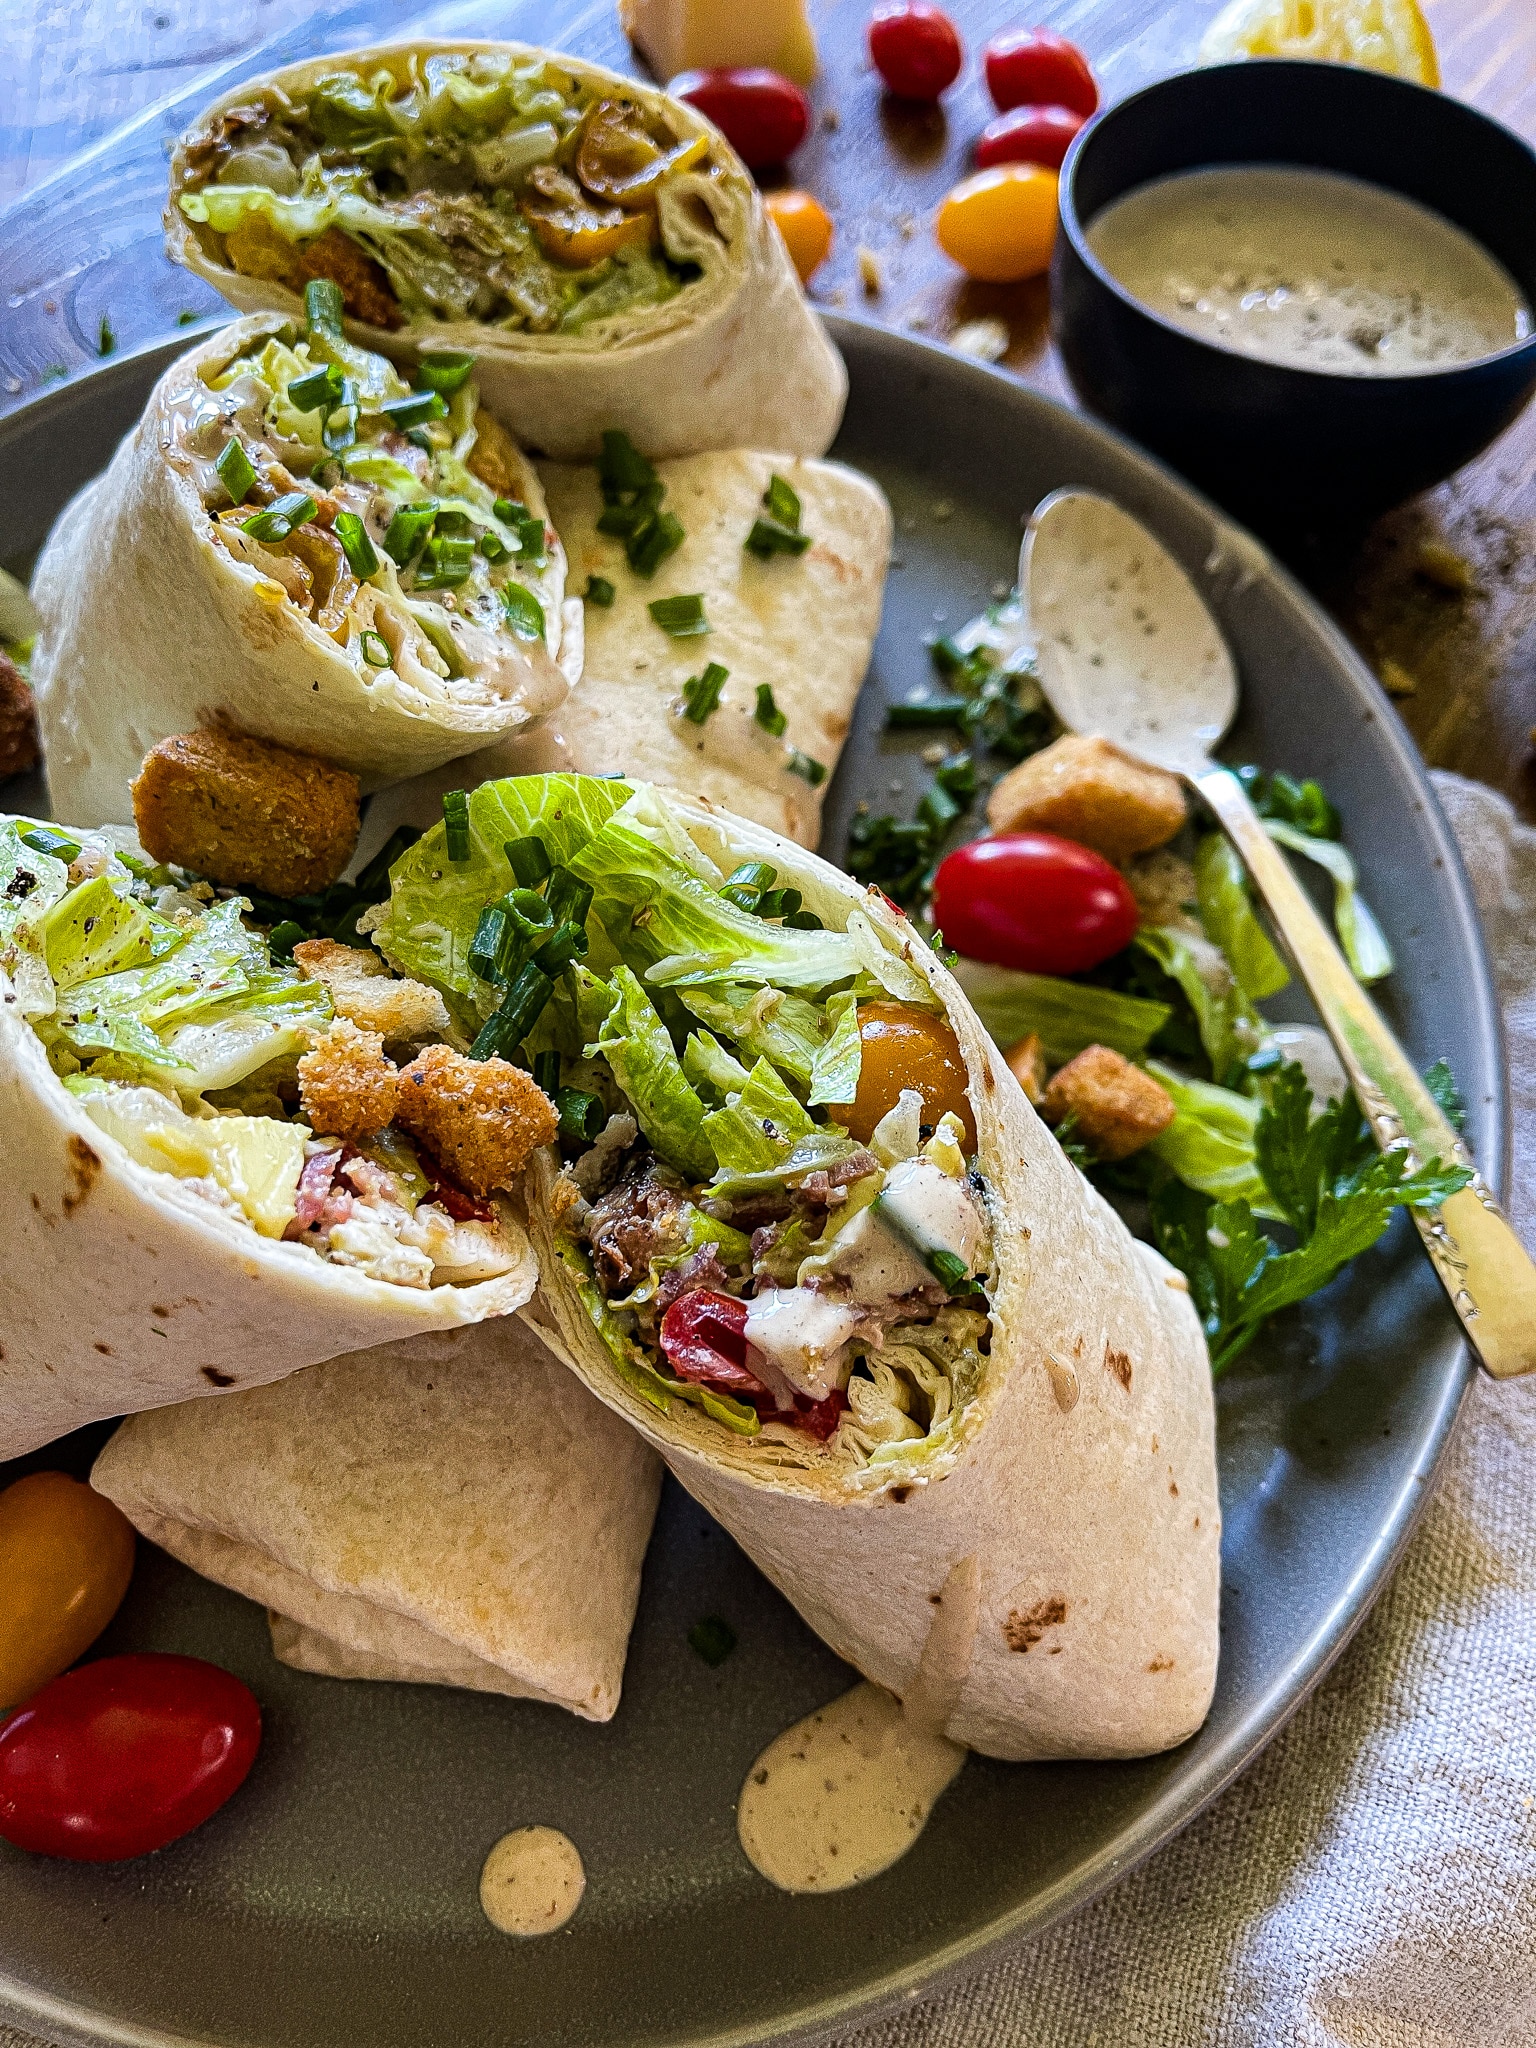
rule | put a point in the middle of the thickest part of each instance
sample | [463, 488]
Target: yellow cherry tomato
[806, 227]
[901, 1048]
[66, 1556]
[580, 236]
[1000, 225]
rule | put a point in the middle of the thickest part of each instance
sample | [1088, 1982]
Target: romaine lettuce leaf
[1364, 941]
[758, 1127]
[1067, 1016]
[93, 931]
[767, 1023]
[1210, 1143]
[638, 1047]
[30, 883]
[254, 1159]
[1230, 1029]
[1227, 914]
[840, 1059]
[709, 1066]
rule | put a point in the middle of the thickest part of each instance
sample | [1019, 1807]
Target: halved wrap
[798, 626]
[599, 247]
[178, 1217]
[452, 1510]
[812, 1241]
[295, 544]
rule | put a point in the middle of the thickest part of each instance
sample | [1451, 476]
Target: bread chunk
[246, 812]
[347, 1085]
[363, 990]
[483, 1119]
[1089, 791]
[1116, 1109]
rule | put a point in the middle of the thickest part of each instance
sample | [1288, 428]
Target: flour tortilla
[452, 1510]
[1085, 1478]
[150, 627]
[737, 357]
[804, 625]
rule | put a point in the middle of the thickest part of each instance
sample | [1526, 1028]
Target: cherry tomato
[904, 1047]
[1000, 225]
[1028, 135]
[704, 1339]
[806, 227]
[1039, 67]
[1033, 901]
[124, 1755]
[914, 47]
[66, 1556]
[759, 112]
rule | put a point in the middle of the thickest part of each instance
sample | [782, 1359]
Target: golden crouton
[482, 1118]
[347, 1086]
[1115, 1107]
[494, 457]
[1163, 884]
[1087, 790]
[1026, 1063]
[363, 990]
[246, 812]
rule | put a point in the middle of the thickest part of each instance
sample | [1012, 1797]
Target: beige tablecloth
[1371, 1882]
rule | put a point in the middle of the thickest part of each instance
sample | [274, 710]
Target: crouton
[1087, 790]
[347, 1086]
[494, 457]
[1115, 1107]
[1026, 1063]
[482, 1118]
[246, 812]
[365, 287]
[363, 990]
[1163, 884]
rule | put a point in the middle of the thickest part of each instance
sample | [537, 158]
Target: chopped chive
[815, 772]
[324, 305]
[340, 430]
[682, 616]
[568, 898]
[283, 937]
[567, 942]
[712, 1639]
[493, 547]
[529, 861]
[958, 777]
[804, 921]
[375, 649]
[510, 510]
[446, 562]
[451, 520]
[924, 716]
[768, 715]
[621, 466]
[408, 529]
[529, 912]
[582, 1116]
[106, 336]
[456, 824]
[948, 1269]
[769, 538]
[372, 884]
[782, 502]
[546, 1071]
[356, 546]
[779, 903]
[753, 874]
[521, 1007]
[43, 839]
[625, 518]
[938, 809]
[533, 540]
[701, 694]
[185, 317]
[279, 518]
[525, 615]
[599, 591]
[237, 472]
[415, 409]
[647, 549]
[444, 370]
[485, 946]
[319, 391]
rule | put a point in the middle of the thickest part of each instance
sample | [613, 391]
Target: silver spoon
[1128, 649]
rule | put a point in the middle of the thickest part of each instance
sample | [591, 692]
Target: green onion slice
[569, 900]
[814, 772]
[768, 537]
[701, 694]
[529, 861]
[493, 547]
[43, 839]
[520, 1010]
[949, 1269]
[408, 529]
[357, 548]
[621, 467]
[681, 616]
[237, 473]
[456, 824]
[782, 503]
[546, 1071]
[280, 517]
[525, 615]
[533, 540]
[375, 649]
[415, 409]
[582, 1116]
[599, 591]
[445, 370]
[324, 305]
[647, 549]
[319, 391]
[768, 715]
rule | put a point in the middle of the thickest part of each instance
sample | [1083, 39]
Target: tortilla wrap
[199, 638]
[802, 625]
[737, 356]
[1081, 1474]
[451, 1510]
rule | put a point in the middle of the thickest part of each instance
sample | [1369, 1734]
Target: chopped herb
[632, 495]
[283, 937]
[356, 546]
[744, 886]
[521, 1008]
[319, 391]
[237, 472]
[768, 715]
[279, 518]
[43, 839]
[106, 336]
[533, 539]
[1441, 1084]
[510, 510]
[927, 715]
[408, 529]
[568, 899]
[529, 861]
[712, 1639]
[681, 616]
[415, 409]
[446, 562]
[769, 538]
[647, 549]
[701, 694]
[599, 591]
[621, 468]
[582, 1116]
[486, 944]
[546, 1071]
[814, 772]
[525, 615]
[781, 501]
[493, 547]
[779, 903]
[949, 1269]
[340, 430]
[1302, 804]
[456, 824]
[185, 317]
[324, 305]
[375, 649]
[567, 942]
[445, 370]
[804, 921]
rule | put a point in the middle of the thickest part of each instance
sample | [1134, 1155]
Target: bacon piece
[315, 1178]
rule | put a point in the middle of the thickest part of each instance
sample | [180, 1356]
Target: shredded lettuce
[1230, 1028]
[839, 1060]
[1210, 1143]
[30, 883]
[1364, 941]
[758, 1127]
[638, 1048]
[94, 931]
[1227, 914]
[1066, 1016]
[708, 1065]
[254, 1159]
[767, 1023]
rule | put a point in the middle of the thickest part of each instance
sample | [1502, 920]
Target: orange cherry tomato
[806, 227]
[906, 1048]
[580, 236]
[66, 1556]
[1000, 225]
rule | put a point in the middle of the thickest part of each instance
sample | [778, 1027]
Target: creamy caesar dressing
[532, 1882]
[1310, 269]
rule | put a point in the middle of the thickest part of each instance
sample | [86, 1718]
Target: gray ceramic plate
[334, 1900]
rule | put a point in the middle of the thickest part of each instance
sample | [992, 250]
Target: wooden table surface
[1459, 641]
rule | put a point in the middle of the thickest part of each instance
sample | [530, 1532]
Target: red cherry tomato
[1032, 901]
[1038, 67]
[122, 1756]
[704, 1337]
[914, 47]
[761, 114]
[1029, 135]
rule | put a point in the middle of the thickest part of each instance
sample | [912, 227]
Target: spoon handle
[1482, 1264]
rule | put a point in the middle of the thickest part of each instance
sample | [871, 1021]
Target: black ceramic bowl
[1275, 444]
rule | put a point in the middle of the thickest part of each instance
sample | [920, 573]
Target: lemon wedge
[1383, 35]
